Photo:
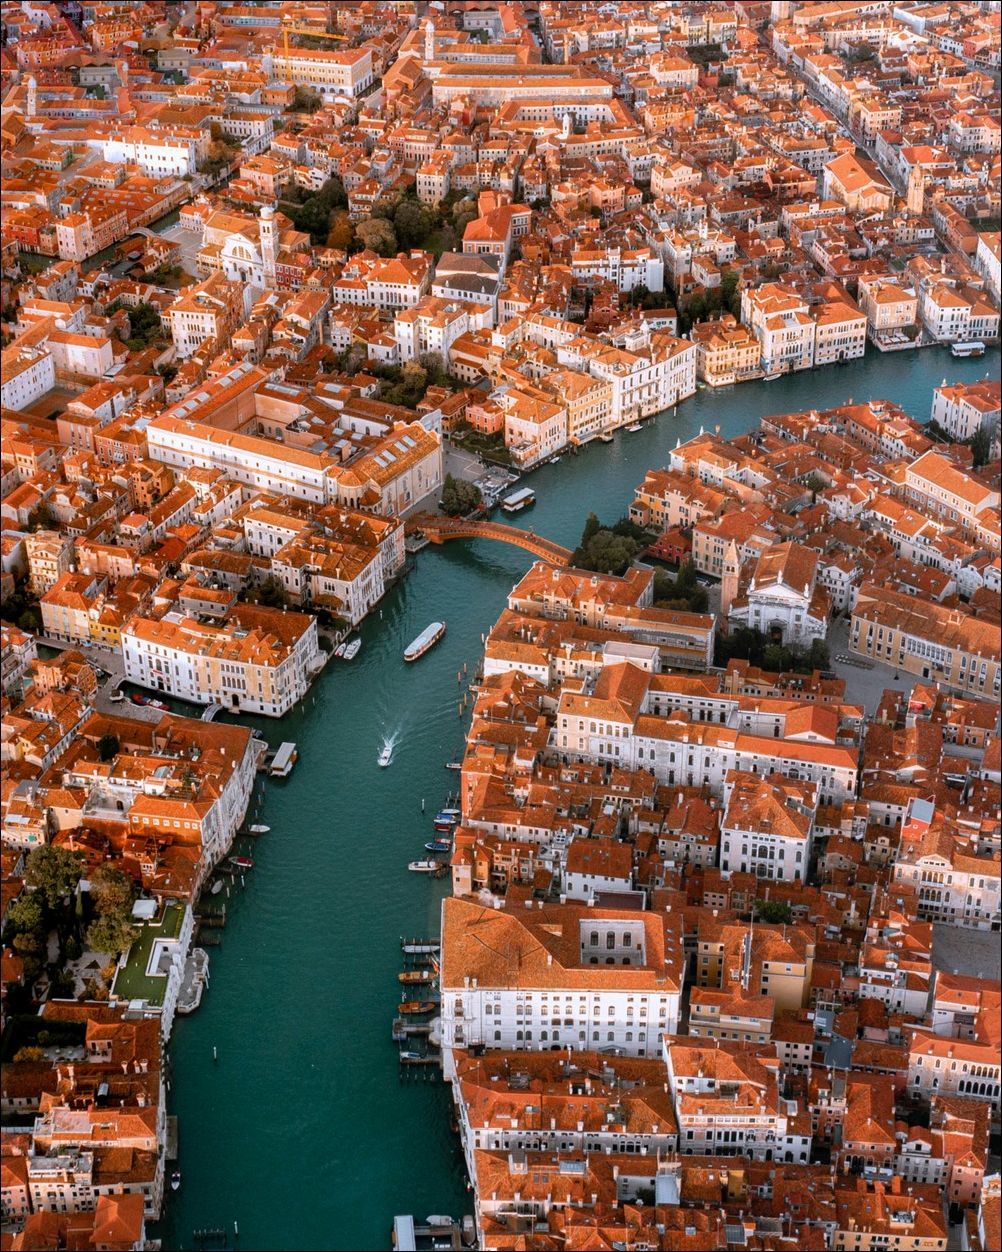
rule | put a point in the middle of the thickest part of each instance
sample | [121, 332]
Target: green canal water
[302, 1132]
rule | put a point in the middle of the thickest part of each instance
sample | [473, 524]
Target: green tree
[43, 517]
[31, 620]
[414, 377]
[413, 223]
[434, 367]
[272, 594]
[54, 872]
[818, 656]
[26, 915]
[460, 497]
[607, 550]
[313, 216]
[112, 891]
[591, 528]
[463, 212]
[775, 912]
[981, 444]
[377, 234]
[144, 326]
[111, 934]
[683, 592]
[107, 747]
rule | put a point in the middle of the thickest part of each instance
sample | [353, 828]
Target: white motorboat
[424, 867]
[258, 830]
[385, 757]
[353, 649]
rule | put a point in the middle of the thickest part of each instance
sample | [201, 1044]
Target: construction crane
[314, 33]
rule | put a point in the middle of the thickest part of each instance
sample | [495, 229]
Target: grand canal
[302, 1131]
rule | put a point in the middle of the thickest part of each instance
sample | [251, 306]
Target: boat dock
[434, 1232]
[403, 1029]
[278, 762]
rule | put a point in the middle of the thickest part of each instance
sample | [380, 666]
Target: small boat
[417, 1006]
[353, 649]
[410, 1056]
[454, 765]
[554, 460]
[438, 845]
[607, 436]
[437, 1219]
[241, 862]
[175, 1180]
[973, 348]
[634, 426]
[137, 697]
[257, 829]
[216, 887]
[771, 378]
[151, 703]
[116, 696]
[416, 975]
[447, 819]
[423, 867]
[385, 757]
[427, 639]
[339, 650]
[416, 947]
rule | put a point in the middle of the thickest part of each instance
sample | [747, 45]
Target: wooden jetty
[403, 1029]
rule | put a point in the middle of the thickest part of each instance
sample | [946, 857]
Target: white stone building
[559, 976]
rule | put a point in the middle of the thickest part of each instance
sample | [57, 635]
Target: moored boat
[216, 887]
[771, 378]
[634, 426]
[241, 862]
[353, 649]
[973, 347]
[438, 845]
[416, 975]
[257, 829]
[424, 867]
[175, 1180]
[339, 650]
[410, 1007]
[518, 500]
[606, 436]
[427, 639]
[286, 755]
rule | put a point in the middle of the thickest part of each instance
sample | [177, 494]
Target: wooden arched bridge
[440, 529]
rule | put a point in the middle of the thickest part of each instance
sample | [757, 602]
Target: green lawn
[132, 982]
